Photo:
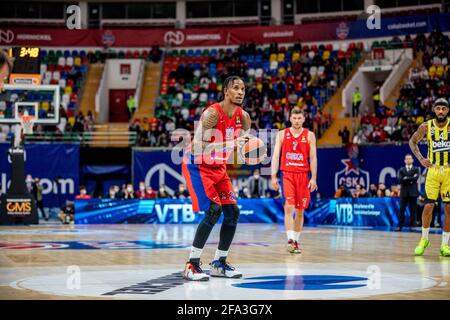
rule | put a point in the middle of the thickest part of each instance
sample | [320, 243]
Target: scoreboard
[26, 65]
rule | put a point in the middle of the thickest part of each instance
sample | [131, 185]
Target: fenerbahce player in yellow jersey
[437, 181]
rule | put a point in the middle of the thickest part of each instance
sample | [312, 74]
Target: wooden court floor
[144, 262]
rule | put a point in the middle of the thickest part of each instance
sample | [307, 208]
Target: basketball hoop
[27, 122]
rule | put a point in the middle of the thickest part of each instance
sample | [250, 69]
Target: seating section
[424, 85]
[66, 69]
[277, 79]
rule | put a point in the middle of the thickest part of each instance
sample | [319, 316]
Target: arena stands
[277, 79]
[425, 83]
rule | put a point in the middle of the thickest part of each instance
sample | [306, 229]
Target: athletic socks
[290, 235]
[445, 237]
[194, 256]
[425, 232]
[221, 255]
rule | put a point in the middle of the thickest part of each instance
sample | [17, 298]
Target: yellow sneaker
[420, 249]
[445, 250]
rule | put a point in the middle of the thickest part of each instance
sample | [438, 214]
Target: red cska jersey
[295, 152]
[227, 129]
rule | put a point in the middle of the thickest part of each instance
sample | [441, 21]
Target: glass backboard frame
[56, 103]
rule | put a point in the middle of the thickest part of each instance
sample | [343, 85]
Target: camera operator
[67, 213]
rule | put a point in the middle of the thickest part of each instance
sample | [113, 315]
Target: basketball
[254, 151]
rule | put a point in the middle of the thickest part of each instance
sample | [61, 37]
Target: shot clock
[27, 65]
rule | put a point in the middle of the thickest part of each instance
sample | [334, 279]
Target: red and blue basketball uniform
[206, 175]
[295, 168]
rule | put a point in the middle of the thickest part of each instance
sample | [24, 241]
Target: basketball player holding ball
[222, 126]
[296, 144]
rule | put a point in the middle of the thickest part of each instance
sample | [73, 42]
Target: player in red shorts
[222, 126]
[296, 145]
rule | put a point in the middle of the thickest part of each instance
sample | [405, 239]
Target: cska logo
[238, 120]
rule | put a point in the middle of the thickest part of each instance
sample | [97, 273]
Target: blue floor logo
[302, 282]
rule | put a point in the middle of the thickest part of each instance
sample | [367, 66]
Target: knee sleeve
[231, 214]
[213, 213]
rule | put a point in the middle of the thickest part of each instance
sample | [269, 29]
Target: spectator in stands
[345, 135]
[395, 191]
[245, 193]
[29, 182]
[37, 191]
[155, 53]
[131, 106]
[83, 193]
[5, 68]
[67, 213]
[359, 192]
[182, 192]
[376, 97]
[359, 137]
[342, 192]
[382, 188]
[112, 193]
[357, 99]
[163, 140]
[373, 190]
[119, 194]
[79, 123]
[89, 122]
[162, 192]
[150, 193]
[140, 194]
[236, 191]
[378, 135]
[129, 192]
[255, 185]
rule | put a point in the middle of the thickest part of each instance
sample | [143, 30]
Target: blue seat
[75, 53]
[66, 53]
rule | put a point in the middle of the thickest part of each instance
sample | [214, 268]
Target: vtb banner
[56, 165]
[376, 164]
[371, 212]
[173, 211]
[191, 37]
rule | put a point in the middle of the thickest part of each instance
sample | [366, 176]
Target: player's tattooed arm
[204, 133]
[312, 161]
[414, 144]
[276, 160]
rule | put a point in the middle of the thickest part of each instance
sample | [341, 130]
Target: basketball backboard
[40, 101]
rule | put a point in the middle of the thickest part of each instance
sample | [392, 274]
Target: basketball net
[25, 128]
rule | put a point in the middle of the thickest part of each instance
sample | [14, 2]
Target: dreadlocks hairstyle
[227, 83]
